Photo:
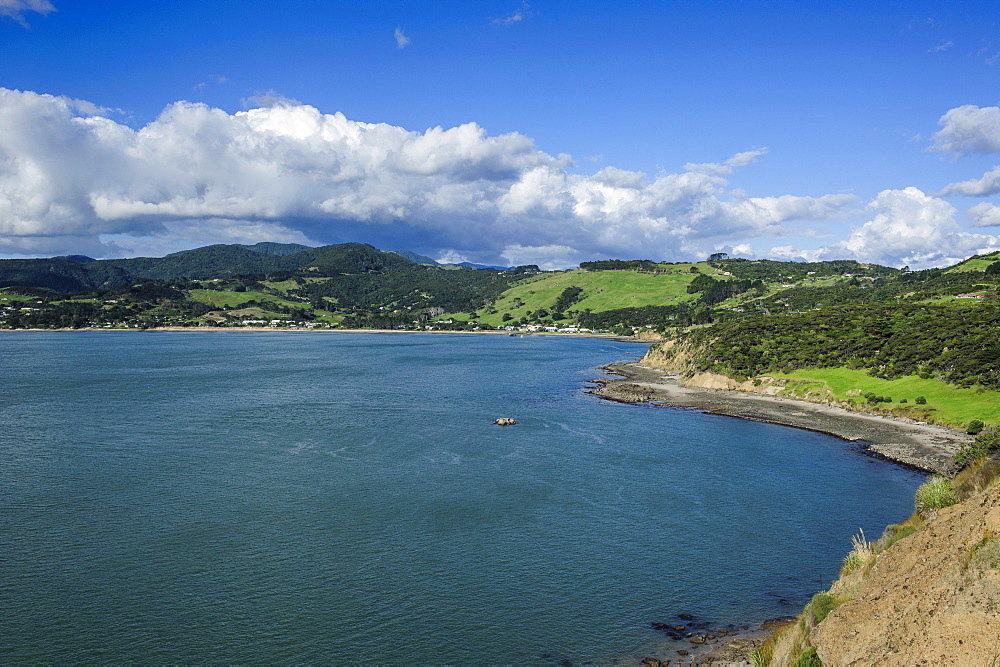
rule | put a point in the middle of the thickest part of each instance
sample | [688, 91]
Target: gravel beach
[922, 446]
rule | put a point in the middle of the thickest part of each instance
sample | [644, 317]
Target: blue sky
[503, 132]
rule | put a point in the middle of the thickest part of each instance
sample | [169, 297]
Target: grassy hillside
[976, 263]
[602, 290]
[224, 298]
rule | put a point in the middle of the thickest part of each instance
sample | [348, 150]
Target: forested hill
[70, 274]
[349, 284]
[957, 345]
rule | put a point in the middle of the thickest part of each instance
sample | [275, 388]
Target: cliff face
[673, 357]
[933, 596]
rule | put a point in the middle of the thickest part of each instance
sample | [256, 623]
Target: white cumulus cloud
[969, 129]
[72, 179]
[908, 228]
[989, 184]
[984, 214]
[547, 258]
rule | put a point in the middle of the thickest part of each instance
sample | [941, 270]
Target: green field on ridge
[946, 403]
[602, 290]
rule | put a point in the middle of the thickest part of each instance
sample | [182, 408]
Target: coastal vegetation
[935, 493]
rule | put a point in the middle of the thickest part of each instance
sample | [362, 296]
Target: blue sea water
[295, 497]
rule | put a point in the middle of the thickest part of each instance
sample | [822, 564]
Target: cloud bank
[73, 180]
[908, 227]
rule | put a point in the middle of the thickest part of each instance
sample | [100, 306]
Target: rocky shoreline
[922, 446]
[707, 644]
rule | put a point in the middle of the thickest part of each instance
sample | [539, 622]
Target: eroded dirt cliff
[933, 596]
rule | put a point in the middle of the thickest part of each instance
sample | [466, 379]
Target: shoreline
[512, 334]
[922, 446]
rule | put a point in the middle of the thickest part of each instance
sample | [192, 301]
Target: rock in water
[505, 421]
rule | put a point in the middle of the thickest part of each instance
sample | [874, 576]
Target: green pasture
[12, 298]
[946, 404]
[978, 263]
[283, 286]
[602, 290]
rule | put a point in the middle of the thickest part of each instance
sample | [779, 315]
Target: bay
[296, 497]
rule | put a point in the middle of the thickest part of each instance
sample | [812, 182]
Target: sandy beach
[922, 446]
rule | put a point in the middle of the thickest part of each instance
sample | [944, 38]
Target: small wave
[599, 439]
[338, 454]
[300, 447]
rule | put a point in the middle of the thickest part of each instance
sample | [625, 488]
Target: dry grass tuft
[861, 554]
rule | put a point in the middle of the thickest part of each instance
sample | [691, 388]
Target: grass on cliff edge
[951, 405]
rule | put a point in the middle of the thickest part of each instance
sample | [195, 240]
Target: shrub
[986, 443]
[902, 400]
[808, 658]
[935, 493]
[975, 427]
[821, 606]
[921, 400]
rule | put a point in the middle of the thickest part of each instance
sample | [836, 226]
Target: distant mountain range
[78, 273]
[423, 259]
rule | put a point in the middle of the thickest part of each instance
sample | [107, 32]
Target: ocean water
[294, 497]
